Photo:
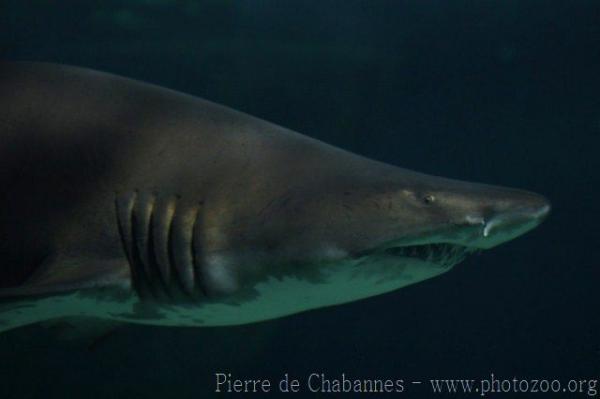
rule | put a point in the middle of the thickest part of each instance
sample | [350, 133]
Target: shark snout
[511, 218]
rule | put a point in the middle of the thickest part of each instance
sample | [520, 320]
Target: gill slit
[162, 243]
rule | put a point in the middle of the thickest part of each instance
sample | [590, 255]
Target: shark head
[441, 221]
[362, 234]
[435, 220]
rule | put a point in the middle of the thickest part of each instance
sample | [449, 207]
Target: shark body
[126, 201]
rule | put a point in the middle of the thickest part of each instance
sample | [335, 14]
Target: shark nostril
[513, 222]
[475, 220]
[542, 212]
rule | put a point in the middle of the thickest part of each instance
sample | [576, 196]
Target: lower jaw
[438, 254]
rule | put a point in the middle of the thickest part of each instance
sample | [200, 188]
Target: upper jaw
[439, 253]
[451, 245]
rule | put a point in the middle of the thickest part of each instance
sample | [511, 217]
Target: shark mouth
[441, 254]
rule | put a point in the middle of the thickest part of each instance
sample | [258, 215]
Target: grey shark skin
[126, 201]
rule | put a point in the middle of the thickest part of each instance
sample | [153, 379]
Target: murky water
[502, 92]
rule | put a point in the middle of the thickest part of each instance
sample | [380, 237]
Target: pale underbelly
[271, 298]
[278, 297]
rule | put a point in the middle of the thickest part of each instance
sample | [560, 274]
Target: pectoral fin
[91, 333]
[61, 274]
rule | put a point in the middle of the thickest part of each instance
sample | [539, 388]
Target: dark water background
[504, 92]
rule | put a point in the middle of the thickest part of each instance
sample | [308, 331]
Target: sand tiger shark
[126, 201]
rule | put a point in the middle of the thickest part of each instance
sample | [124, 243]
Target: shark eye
[428, 199]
